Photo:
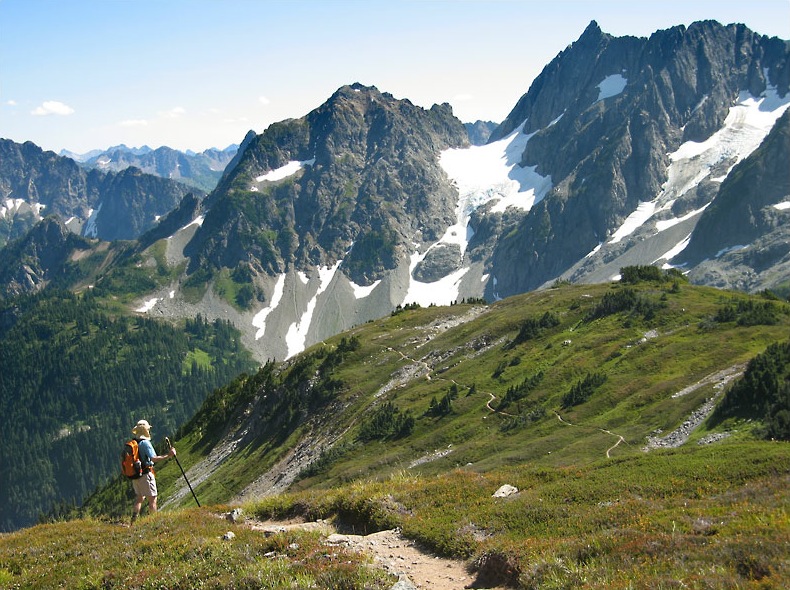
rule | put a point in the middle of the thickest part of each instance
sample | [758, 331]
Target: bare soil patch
[390, 551]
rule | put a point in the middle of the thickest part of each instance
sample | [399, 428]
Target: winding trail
[620, 438]
[389, 550]
[427, 374]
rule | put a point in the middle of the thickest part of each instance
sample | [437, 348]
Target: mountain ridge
[368, 202]
[112, 206]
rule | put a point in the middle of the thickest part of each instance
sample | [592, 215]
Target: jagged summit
[611, 158]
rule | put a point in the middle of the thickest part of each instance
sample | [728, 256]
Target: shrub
[583, 390]
[387, 422]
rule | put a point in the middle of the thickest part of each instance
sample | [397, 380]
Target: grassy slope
[710, 516]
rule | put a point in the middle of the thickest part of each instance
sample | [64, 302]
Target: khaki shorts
[145, 485]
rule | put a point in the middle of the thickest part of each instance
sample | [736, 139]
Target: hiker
[145, 486]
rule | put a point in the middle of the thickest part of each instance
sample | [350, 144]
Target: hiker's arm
[170, 453]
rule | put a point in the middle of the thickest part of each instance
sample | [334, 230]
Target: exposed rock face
[119, 206]
[618, 107]
[744, 209]
[480, 131]
[369, 184]
[31, 263]
[440, 261]
[45, 183]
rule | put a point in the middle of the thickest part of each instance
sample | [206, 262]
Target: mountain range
[668, 151]
[198, 170]
[106, 205]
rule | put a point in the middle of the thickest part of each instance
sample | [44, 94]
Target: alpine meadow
[395, 350]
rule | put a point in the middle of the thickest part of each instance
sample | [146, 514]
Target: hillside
[591, 400]
[433, 389]
[76, 374]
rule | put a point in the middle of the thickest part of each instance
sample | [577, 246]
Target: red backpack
[131, 466]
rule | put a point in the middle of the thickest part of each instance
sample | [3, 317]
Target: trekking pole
[169, 446]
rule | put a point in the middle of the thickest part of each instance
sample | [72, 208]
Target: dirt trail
[390, 551]
[620, 439]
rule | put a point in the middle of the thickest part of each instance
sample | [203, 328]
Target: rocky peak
[606, 112]
[33, 261]
[365, 174]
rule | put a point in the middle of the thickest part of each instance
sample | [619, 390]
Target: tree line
[77, 376]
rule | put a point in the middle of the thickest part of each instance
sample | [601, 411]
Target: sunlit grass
[702, 517]
[180, 550]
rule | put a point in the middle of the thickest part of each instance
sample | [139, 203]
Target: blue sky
[194, 74]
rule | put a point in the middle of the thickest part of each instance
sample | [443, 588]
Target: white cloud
[264, 100]
[463, 98]
[133, 123]
[11, 103]
[174, 113]
[52, 107]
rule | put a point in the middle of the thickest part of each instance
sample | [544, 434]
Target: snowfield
[746, 126]
[492, 176]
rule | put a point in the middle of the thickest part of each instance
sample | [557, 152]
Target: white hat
[142, 430]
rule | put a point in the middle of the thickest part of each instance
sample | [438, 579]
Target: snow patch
[148, 305]
[746, 125]
[197, 221]
[14, 205]
[361, 292]
[10, 206]
[667, 223]
[674, 251]
[611, 86]
[782, 206]
[441, 292]
[91, 231]
[289, 169]
[259, 321]
[594, 251]
[297, 332]
[644, 211]
[491, 173]
[729, 249]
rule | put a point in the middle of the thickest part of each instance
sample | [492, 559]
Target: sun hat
[142, 430]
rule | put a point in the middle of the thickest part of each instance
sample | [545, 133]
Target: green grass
[181, 550]
[589, 513]
[201, 357]
[712, 517]
[700, 517]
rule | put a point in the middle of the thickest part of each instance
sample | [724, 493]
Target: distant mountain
[107, 205]
[624, 151]
[40, 258]
[635, 137]
[199, 170]
[480, 131]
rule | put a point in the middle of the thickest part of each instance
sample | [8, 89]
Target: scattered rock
[229, 536]
[713, 438]
[505, 491]
[403, 583]
[235, 515]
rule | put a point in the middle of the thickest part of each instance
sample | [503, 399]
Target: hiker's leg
[152, 504]
[138, 505]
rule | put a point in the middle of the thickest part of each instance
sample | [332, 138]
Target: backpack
[131, 466]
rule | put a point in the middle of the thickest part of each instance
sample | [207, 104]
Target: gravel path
[390, 551]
